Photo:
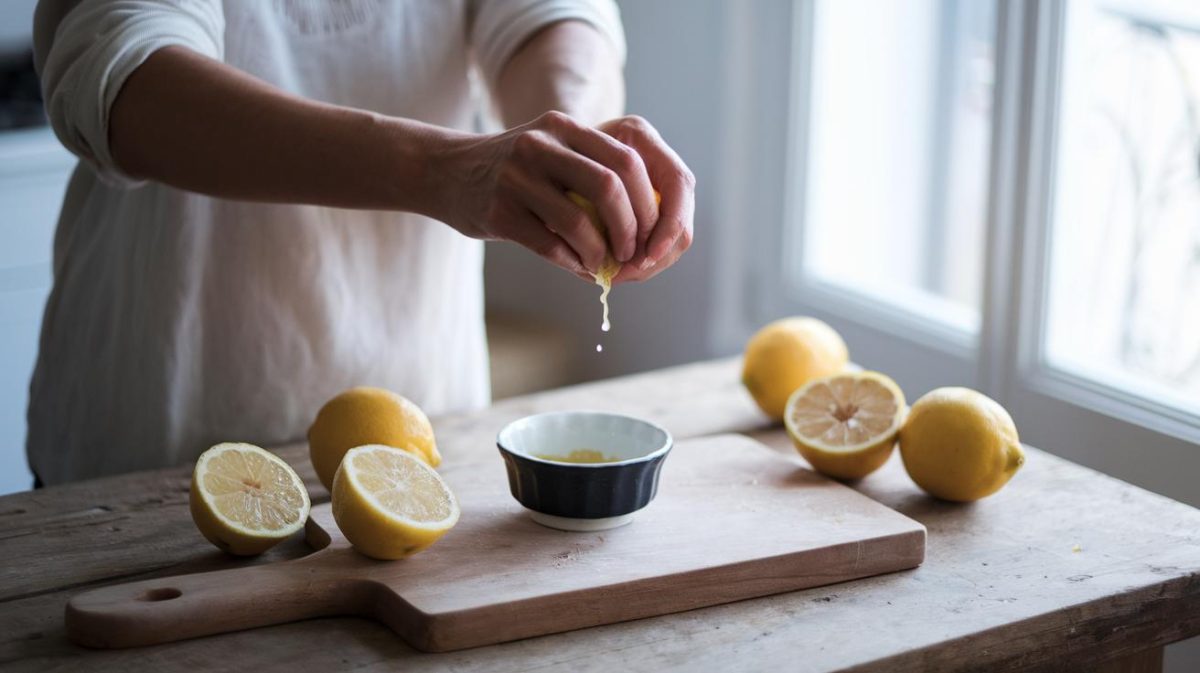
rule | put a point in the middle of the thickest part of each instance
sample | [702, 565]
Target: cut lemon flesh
[245, 499]
[389, 504]
[845, 425]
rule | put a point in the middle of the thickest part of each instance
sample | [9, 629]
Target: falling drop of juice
[604, 280]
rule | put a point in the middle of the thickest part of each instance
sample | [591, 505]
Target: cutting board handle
[175, 608]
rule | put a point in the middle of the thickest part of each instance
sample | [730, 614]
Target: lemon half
[845, 425]
[389, 504]
[245, 499]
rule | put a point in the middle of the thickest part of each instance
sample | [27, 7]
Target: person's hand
[670, 234]
[512, 186]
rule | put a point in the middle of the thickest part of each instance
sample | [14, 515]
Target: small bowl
[583, 496]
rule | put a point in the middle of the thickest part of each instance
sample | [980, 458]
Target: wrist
[451, 172]
[402, 163]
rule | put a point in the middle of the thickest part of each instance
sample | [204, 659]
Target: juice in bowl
[583, 470]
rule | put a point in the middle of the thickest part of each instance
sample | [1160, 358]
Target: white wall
[33, 175]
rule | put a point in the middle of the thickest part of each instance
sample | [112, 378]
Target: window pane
[900, 121]
[1125, 262]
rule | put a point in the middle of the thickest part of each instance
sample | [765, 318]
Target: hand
[512, 186]
[670, 234]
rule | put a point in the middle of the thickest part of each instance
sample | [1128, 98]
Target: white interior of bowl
[559, 433]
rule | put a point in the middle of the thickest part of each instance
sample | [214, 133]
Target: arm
[568, 66]
[230, 135]
[137, 86]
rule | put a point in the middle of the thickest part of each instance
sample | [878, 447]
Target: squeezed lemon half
[609, 268]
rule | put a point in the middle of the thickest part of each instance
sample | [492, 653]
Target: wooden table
[1065, 567]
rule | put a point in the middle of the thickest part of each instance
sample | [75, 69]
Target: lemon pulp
[845, 425]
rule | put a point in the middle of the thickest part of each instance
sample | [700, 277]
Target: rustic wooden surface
[1064, 567]
[713, 535]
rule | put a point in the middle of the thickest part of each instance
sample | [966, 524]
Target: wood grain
[1001, 588]
[733, 520]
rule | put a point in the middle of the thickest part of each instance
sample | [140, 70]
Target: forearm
[194, 123]
[568, 66]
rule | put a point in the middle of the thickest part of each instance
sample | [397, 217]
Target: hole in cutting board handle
[161, 594]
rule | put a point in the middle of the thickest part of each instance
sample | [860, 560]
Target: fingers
[573, 171]
[570, 222]
[528, 230]
[617, 171]
[636, 273]
[626, 237]
[674, 181]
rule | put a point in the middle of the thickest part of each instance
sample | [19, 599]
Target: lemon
[845, 425]
[368, 416]
[609, 268]
[245, 500]
[389, 504]
[787, 354]
[959, 444]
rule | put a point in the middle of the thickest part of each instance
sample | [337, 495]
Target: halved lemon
[245, 500]
[389, 504]
[845, 425]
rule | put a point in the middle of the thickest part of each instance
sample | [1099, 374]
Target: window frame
[1004, 358]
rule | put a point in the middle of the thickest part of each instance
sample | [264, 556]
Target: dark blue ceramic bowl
[583, 496]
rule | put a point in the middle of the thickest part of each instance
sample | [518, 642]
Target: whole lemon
[787, 354]
[959, 444]
[364, 415]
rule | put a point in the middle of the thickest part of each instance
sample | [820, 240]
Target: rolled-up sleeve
[85, 54]
[500, 27]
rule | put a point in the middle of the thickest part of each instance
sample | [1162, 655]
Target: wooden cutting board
[732, 520]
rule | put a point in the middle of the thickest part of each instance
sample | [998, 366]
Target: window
[1124, 282]
[1002, 195]
[897, 152]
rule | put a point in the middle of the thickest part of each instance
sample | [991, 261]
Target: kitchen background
[1004, 195]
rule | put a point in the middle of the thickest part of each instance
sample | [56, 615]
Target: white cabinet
[34, 170]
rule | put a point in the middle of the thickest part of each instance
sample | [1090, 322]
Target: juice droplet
[599, 348]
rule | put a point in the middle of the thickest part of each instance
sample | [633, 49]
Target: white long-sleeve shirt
[179, 320]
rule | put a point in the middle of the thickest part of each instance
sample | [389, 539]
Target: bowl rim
[662, 450]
